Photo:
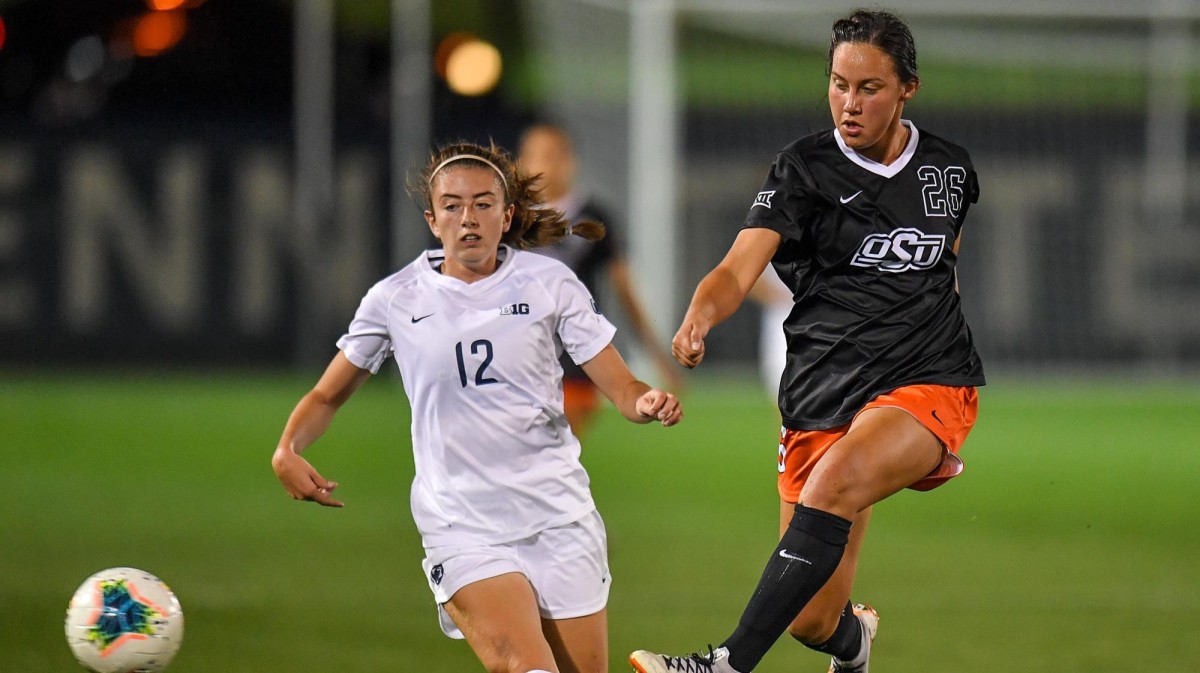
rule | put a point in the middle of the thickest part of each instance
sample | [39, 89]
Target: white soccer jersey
[495, 458]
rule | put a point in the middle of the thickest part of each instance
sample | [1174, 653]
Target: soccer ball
[124, 620]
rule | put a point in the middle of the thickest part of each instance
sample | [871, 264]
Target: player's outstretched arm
[308, 421]
[722, 291]
[635, 399]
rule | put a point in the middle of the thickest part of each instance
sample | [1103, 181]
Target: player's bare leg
[580, 644]
[885, 450]
[499, 617]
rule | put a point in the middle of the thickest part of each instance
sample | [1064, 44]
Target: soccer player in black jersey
[863, 224]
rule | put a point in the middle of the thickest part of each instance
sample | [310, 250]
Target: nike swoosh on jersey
[848, 199]
[784, 553]
[416, 320]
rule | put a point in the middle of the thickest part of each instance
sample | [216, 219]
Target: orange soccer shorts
[947, 411]
[580, 399]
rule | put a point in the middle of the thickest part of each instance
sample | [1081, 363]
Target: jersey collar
[433, 258]
[876, 167]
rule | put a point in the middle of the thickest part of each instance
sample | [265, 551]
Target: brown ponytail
[533, 225]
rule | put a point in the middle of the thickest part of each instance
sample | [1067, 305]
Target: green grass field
[1070, 544]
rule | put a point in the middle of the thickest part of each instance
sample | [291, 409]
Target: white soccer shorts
[566, 565]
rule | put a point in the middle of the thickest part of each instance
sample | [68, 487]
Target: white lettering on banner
[351, 267]
[106, 225]
[157, 243]
[105, 236]
[263, 230]
[18, 300]
[266, 240]
[1003, 237]
[1147, 289]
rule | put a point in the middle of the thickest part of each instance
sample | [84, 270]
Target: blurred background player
[546, 151]
[775, 302]
[879, 389]
[516, 553]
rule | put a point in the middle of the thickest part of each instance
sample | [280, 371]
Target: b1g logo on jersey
[515, 309]
[942, 190]
[902, 250]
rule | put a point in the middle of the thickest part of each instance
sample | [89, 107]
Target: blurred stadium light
[473, 67]
[166, 5]
[158, 31]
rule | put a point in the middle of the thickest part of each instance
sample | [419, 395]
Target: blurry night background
[195, 195]
[208, 181]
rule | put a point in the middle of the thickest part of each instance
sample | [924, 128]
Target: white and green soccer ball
[124, 620]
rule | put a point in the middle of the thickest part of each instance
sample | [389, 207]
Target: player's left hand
[301, 480]
[661, 406]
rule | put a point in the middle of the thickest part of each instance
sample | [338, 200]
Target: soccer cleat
[716, 661]
[870, 624]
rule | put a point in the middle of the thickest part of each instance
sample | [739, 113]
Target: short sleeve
[786, 200]
[583, 330]
[367, 343]
[972, 196]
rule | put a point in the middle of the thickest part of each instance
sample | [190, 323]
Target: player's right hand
[688, 344]
[301, 480]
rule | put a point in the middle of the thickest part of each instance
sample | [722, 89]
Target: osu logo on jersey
[902, 250]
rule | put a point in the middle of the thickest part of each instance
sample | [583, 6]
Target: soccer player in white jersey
[516, 554]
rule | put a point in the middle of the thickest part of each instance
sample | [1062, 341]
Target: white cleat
[716, 661]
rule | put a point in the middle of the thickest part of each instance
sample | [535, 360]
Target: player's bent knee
[832, 495]
[502, 659]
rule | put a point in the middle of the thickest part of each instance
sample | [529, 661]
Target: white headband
[476, 157]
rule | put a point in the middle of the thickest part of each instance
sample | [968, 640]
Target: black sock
[846, 640]
[806, 557]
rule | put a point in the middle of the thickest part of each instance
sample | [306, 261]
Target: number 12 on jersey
[476, 346]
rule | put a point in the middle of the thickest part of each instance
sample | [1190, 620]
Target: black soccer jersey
[586, 258]
[868, 252]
